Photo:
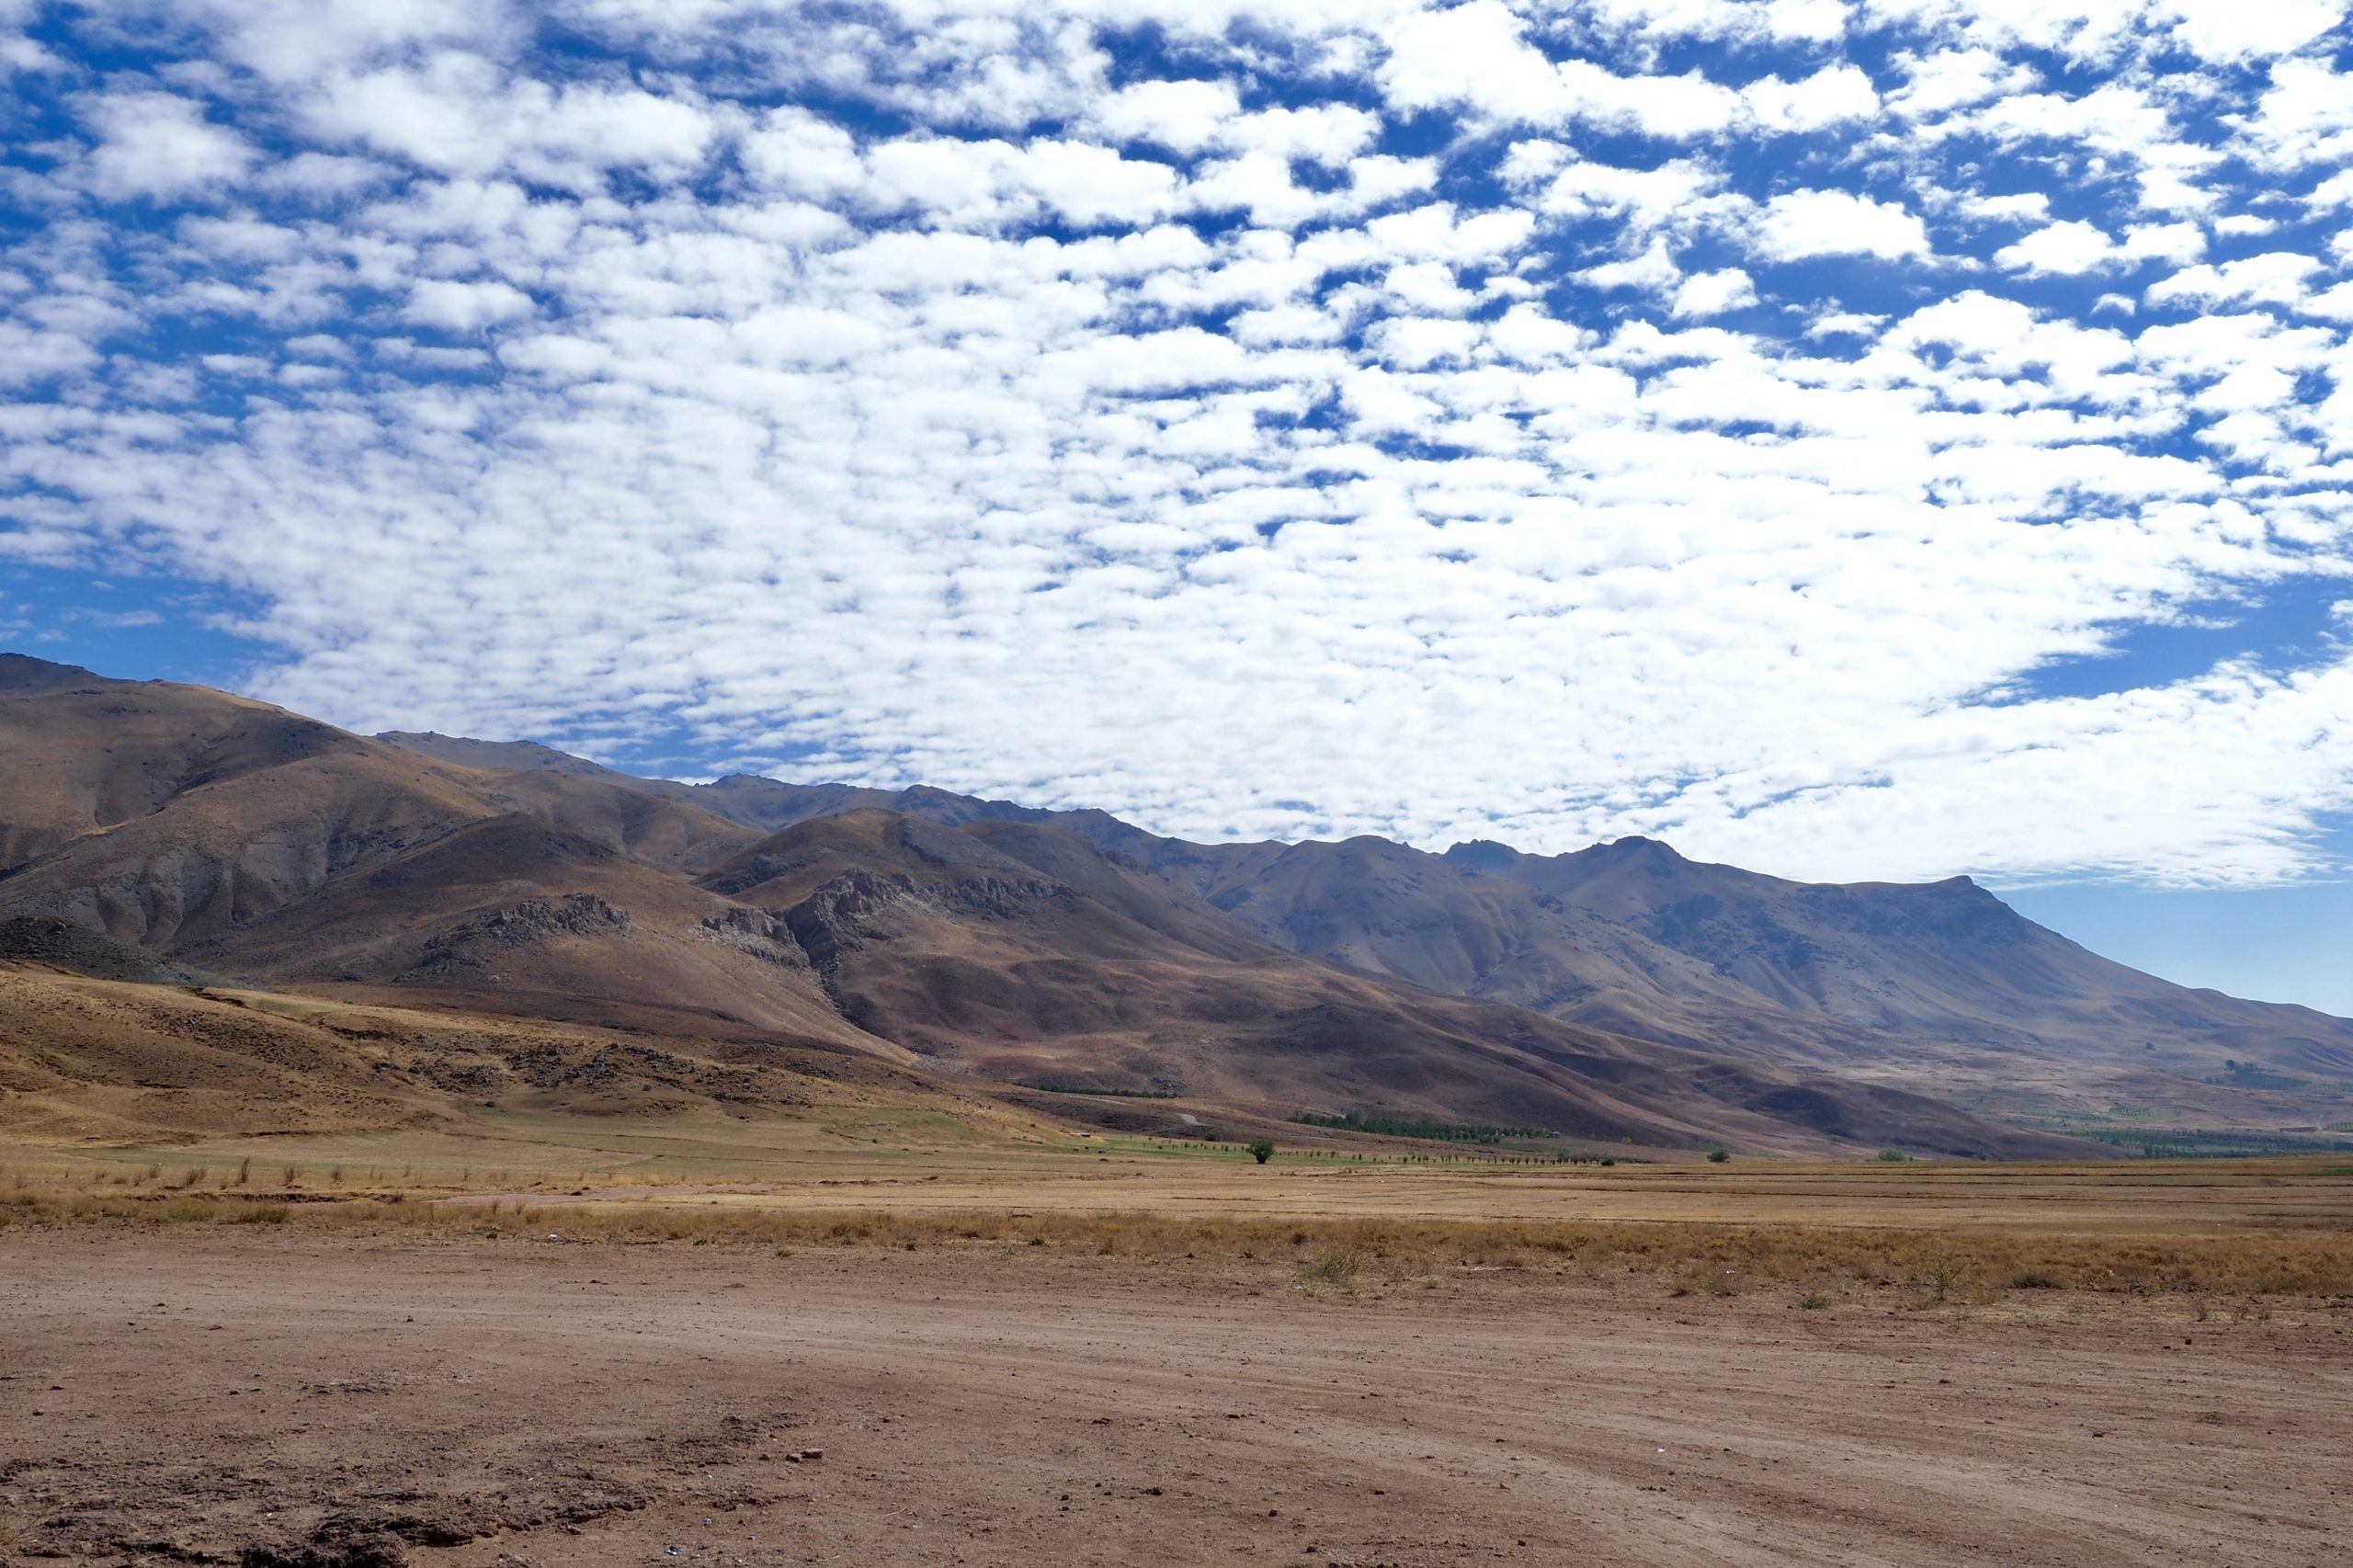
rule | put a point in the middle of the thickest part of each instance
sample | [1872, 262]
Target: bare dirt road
[294, 1397]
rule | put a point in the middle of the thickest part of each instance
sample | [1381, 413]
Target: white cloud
[2305, 119]
[2031, 206]
[1478, 57]
[2072, 247]
[160, 144]
[1653, 269]
[2332, 194]
[2228, 29]
[1186, 116]
[1090, 186]
[2067, 247]
[1831, 95]
[1845, 324]
[1476, 53]
[1798, 224]
[2277, 278]
[914, 393]
[1956, 78]
[1561, 184]
[2175, 242]
[458, 113]
[796, 151]
[1714, 293]
[466, 307]
[2123, 127]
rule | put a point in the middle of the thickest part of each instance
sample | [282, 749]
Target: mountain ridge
[1617, 993]
[1632, 937]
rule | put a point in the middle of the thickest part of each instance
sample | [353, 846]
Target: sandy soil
[299, 1398]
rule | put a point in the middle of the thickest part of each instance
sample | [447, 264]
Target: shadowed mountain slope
[1020, 953]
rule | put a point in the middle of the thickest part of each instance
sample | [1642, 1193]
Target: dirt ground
[290, 1396]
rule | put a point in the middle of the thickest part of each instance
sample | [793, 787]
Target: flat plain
[578, 1340]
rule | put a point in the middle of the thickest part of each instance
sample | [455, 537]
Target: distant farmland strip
[1397, 1127]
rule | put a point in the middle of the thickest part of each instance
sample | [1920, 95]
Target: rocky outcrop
[473, 944]
[758, 934]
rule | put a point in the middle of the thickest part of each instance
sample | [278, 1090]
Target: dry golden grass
[1949, 1232]
[1687, 1256]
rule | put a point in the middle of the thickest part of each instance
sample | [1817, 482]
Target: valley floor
[312, 1393]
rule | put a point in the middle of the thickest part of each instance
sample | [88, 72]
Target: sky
[1848, 438]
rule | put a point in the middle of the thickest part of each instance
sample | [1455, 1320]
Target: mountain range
[1621, 993]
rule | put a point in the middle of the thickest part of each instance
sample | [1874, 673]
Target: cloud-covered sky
[1848, 438]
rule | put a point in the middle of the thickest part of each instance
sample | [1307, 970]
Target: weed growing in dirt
[1940, 1273]
[1338, 1267]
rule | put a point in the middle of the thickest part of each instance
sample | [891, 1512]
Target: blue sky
[1871, 439]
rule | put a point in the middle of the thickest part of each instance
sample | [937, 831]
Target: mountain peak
[1634, 845]
[22, 672]
[1481, 855]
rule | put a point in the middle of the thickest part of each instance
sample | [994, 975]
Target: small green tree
[1718, 1155]
[1263, 1150]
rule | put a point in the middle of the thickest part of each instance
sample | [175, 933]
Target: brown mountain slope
[85, 1059]
[163, 814]
[248, 841]
[87, 755]
[1020, 953]
[511, 915]
[88, 1058]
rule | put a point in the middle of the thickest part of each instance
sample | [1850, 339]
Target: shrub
[1338, 1267]
[1942, 1273]
[1718, 1154]
[1263, 1150]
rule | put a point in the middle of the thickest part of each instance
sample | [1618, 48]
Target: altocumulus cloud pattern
[1848, 437]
